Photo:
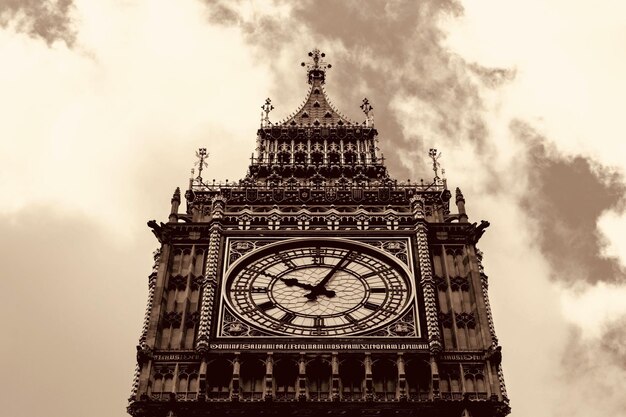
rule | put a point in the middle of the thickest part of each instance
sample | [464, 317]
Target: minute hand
[342, 263]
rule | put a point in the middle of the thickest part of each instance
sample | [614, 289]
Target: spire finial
[267, 108]
[201, 154]
[316, 68]
[367, 109]
[435, 157]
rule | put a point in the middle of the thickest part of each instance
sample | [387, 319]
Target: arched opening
[285, 378]
[475, 381]
[417, 379]
[318, 379]
[218, 379]
[352, 377]
[449, 382]
[187, 386]
[284, 158]
[385, 378]
[162, 382]
[317, 158]
[300, 158]
[252, 375]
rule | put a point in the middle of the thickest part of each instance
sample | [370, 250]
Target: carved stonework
[484, 286]
[143, 350]
[208, 290]
[405, 327]
[239, 248]
[397, 248]
[233, 327]
[428, 288]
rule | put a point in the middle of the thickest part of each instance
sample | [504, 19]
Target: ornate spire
[435, 157]
[265, 116]
[316, 110]
[201, 154]
[316, 68]
[367, 109]
[460, 204]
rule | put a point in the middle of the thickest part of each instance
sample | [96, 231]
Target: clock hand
[290, 282]
[294, 282]
[267, 274]
[341, 264]
[320, 288]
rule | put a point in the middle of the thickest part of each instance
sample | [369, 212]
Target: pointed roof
[316, 109]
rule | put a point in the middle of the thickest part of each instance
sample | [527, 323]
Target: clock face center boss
[318, 287]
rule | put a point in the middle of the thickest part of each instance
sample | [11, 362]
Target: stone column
[302, 377]
[426, 276]
[209, 284]
[234, 394]
[334, 366]
[269, 377]
[369, 381]
[401, 377]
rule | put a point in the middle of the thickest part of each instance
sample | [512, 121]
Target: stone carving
[231, 326]
[428, 289]
[208, 289]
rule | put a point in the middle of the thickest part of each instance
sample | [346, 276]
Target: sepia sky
[103, 104]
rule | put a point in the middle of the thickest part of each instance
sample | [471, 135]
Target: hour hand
[292, 282]
[312, 296]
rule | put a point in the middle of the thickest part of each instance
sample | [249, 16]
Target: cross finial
[201, 154]
[435, 157]
[367, 109]
[316, 68]
[267, 108]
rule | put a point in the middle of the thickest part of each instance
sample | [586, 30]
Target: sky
[103, 105]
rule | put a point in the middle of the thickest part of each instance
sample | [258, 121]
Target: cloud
[566, 196]
[45, 19]
[393, 53]
[598, 368]
[595, 309]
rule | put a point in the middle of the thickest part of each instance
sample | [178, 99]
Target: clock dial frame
[318, 287]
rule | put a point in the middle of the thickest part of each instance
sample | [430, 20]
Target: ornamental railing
[198, 185]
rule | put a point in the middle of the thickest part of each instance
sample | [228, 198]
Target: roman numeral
[378, 290]
[287, 318]
[253, 270]
[259, 290]
[371, 306]
[350, 318]
[266, 305]
[286, 260]
[371, 274]
[319, 322]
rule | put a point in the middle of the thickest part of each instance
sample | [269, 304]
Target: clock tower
[317, 285]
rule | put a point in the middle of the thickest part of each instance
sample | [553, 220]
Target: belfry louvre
[318, 284]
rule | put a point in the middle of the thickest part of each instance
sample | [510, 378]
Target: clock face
[311, 287]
